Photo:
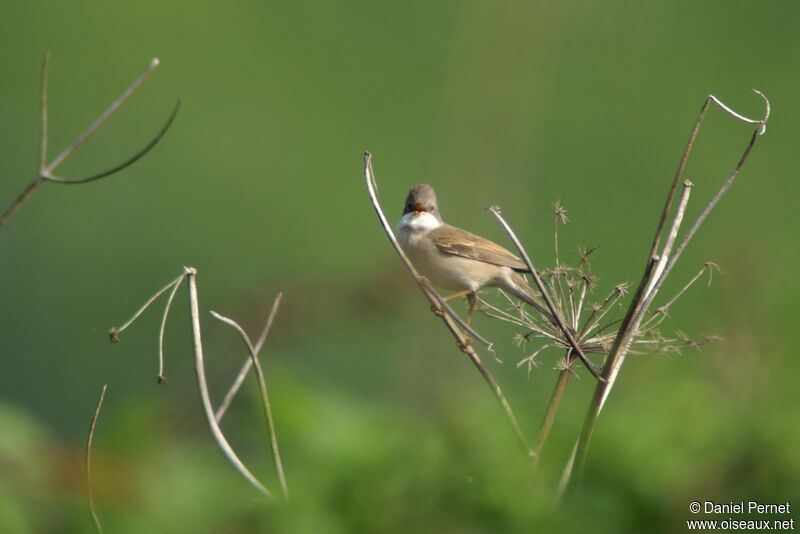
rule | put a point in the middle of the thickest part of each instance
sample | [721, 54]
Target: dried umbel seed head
[560, 212]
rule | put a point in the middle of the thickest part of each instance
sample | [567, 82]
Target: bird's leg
[438, 309]
[457, 294]
[472, 299]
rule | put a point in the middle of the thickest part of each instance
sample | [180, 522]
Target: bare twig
[222, 442]
[161, 378]
[652, 279]
[440, 308]
[46, 171]
[248, 363]
[89, 441]
[262, 384]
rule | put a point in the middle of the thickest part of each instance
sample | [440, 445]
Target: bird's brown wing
[451, 240]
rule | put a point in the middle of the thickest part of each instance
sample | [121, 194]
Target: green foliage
[384, 426]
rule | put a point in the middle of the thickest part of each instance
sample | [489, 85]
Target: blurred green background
[384, 425]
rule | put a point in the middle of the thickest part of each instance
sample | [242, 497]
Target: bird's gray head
[422, 199]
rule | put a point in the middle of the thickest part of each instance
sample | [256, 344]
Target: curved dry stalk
[161, 378]
[202, 384]
[46, 171]
[89, 440]
[123, 165]
[440, 308]
[644, 297]
[262, 384]
[248, 363]
[549, 301]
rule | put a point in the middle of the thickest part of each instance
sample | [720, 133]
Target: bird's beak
[419, 208]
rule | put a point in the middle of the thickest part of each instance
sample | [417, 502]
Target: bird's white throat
[418, 222]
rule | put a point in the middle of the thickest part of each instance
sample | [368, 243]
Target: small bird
[455, 259]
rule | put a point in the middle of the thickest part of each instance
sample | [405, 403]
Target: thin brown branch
[441, 309]
[262, 384]
[89, 440]
[549, 301]
[21, 200]
[219, 437]
[248, 363]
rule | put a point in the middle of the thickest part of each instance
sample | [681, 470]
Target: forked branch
[248, 362]
[200, 369]
[262, 385]
[47, 171]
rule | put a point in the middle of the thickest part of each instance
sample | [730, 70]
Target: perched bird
[455, 259]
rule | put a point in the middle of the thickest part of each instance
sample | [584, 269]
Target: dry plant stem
[559, 320]
[90, 131]
[46, 170]
[706, 211]
[448, 317]
[653, 279]
[176, 284]
[21, 200]
[552, 411]
[565, 374]
[262, 385]
[222, 442]
[89, 441]
[673, 234]
[248, 363]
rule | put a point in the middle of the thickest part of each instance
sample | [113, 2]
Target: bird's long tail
[523, 291]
